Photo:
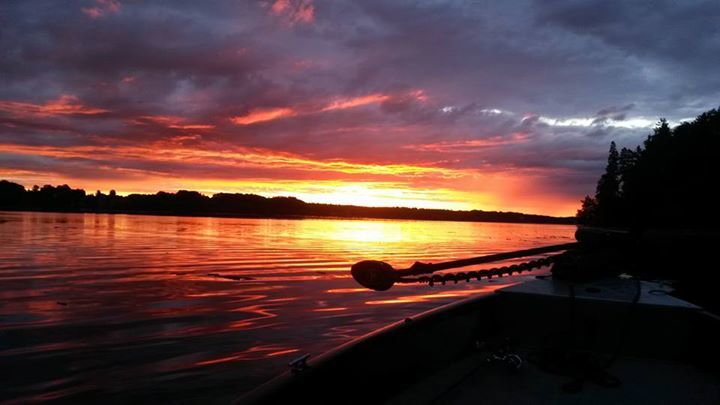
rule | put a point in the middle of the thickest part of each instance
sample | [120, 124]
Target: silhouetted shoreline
[553, 221]
[14, 197]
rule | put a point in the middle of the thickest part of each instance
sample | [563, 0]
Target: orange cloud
[471, 145]
[101, 8]
[262, 115]
[170, 121]
[64, 105]
[294, 11]
[269, 114]
[231, 157]
[344, 103]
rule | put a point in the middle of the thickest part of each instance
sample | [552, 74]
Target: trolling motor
[596, 253]
[380, 276]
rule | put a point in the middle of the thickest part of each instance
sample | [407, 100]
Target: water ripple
[143, 308]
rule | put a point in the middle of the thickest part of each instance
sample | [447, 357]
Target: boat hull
[425, 357]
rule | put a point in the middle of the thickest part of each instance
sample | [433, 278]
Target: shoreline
[558, 221]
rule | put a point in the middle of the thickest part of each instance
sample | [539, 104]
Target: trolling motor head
[380, 276]
[374, 274]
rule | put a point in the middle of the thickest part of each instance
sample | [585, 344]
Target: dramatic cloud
[421, 103]
[296, 11]
[101, 8]
[64, 105]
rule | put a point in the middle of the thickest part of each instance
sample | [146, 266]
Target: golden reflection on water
[342, 232]
[208, 298]
[345, 290]
[405, 299]
[334, 309]
[253, 353]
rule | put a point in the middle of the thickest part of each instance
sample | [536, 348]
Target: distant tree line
[63, 198]
[669, 182]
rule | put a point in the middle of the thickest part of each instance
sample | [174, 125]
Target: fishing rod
[380, 276]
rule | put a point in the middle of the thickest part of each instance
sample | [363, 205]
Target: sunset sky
[445, 104]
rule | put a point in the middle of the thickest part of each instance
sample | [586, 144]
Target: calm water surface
[137, 308]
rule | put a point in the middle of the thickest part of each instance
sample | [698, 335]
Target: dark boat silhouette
[550, 340]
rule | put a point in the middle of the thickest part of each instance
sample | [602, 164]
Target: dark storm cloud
[614, 113]
[675, 43]
[537, 85]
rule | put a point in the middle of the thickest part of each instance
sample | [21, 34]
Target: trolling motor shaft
[380, 276]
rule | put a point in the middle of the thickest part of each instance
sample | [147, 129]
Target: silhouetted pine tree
[607, 193]
[588, 211]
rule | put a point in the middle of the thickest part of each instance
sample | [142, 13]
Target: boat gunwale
[327, 357]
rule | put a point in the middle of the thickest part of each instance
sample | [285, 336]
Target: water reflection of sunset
[345, 290]
[334, 309]
[405, 299]
[252, 353]
[206, 296]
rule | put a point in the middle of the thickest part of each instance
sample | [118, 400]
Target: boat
[613, 339]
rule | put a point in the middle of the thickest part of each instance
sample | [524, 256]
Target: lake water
[131, 308]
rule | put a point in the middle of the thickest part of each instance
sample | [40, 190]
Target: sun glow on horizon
[367, 194]
[188, 162]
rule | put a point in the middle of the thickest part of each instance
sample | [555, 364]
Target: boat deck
[609, 290]
[641, 381]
